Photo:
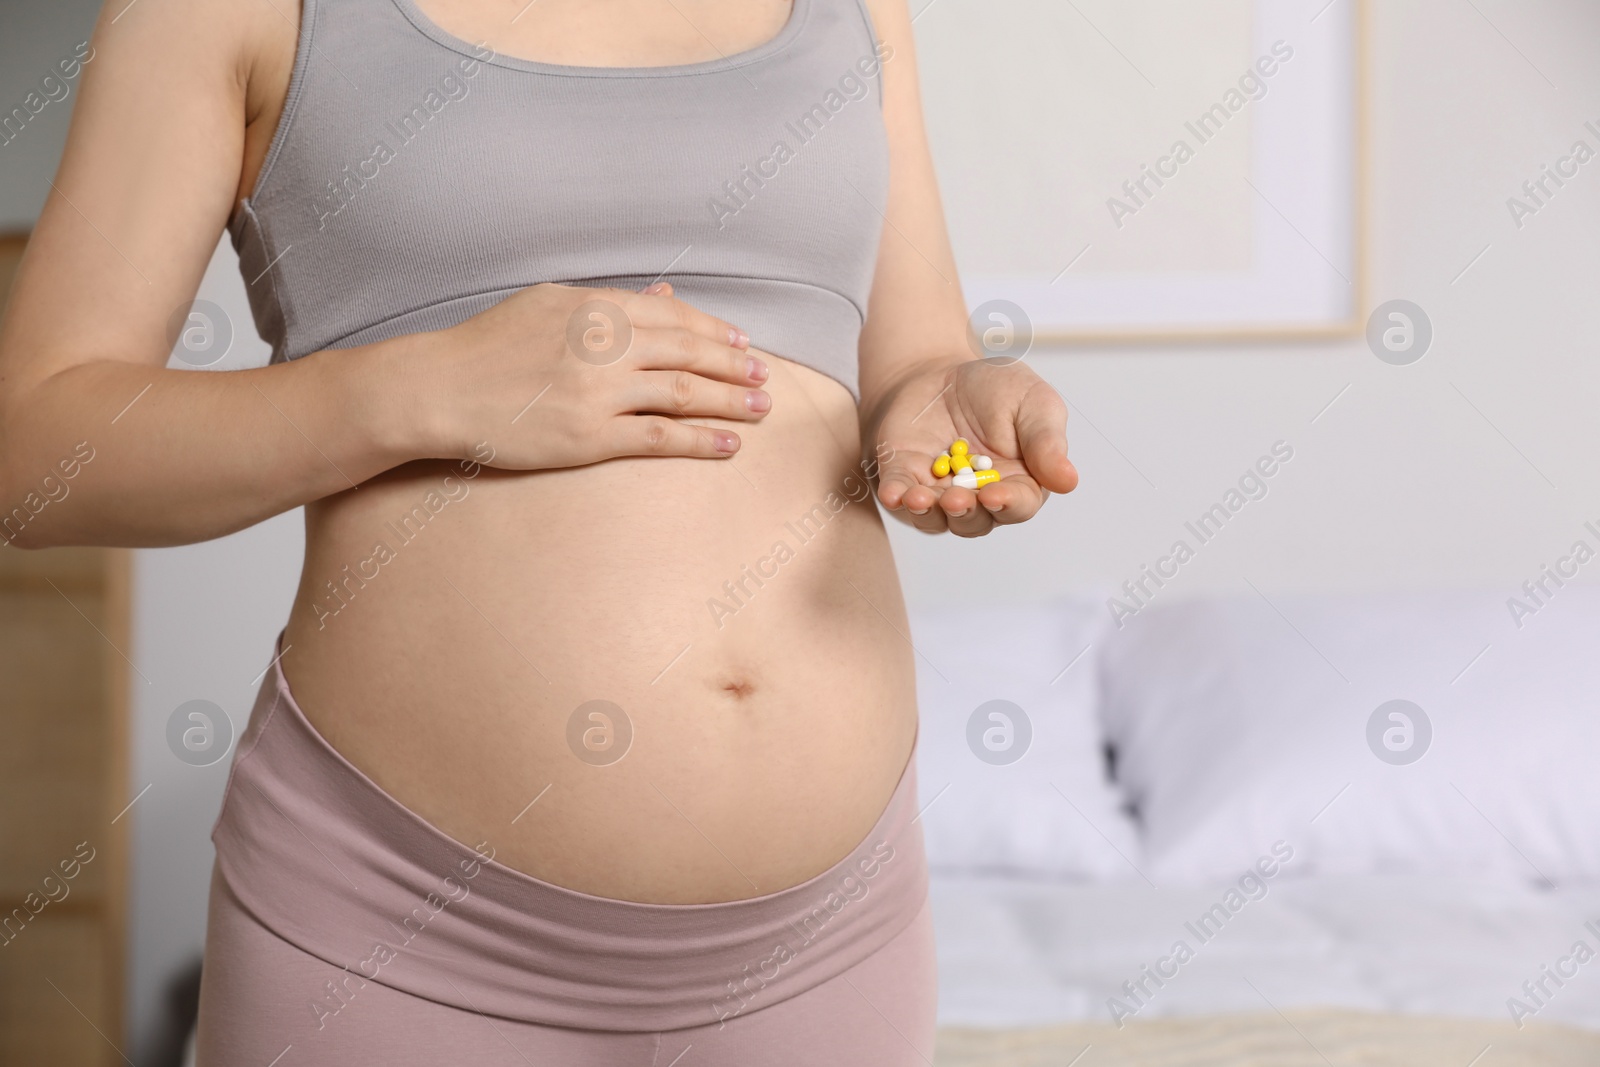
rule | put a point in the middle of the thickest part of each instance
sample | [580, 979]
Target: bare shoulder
[172, 94]
[190, 35]
[242, 48]
[892, 20]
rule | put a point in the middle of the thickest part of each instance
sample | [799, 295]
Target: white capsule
[966, 479]
[982, 463]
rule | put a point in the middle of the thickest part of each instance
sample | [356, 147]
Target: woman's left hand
[1005, 411]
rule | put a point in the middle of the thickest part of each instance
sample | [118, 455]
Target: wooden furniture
[63, 787]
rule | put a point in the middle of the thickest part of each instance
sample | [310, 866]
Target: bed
[1371, 970]
[1440, 907]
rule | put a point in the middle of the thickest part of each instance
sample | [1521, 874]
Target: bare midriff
[743, 614]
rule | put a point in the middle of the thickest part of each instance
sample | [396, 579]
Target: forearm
[117, 453]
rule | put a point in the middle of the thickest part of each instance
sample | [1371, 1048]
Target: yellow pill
[985, 477]
[959, 447]
[960, 462]
[941, 466]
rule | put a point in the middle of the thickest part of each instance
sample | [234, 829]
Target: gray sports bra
[415, 180]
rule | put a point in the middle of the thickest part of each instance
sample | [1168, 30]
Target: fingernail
[738, 338]
[724, 441]
[959, 514]
[992, 508]
[654, 288]
[757, 401]
[755, 369]
[914, 511]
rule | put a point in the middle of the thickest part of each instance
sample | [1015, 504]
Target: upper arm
[144, 189]
[916, 308]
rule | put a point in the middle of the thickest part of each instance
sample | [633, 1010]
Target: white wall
[1402, 482]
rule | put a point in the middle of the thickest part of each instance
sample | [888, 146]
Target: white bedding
[1040, 802]
[1238, 722]
[1016, 952]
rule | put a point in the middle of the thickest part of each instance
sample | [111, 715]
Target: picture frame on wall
[1154, 171]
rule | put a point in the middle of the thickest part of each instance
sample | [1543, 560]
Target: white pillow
[1238, 723]
[990, 814]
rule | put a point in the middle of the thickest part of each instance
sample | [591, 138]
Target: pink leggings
[344, 929]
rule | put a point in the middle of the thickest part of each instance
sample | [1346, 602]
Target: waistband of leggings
[326, 860]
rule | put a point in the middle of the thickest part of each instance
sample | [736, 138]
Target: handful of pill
[969, 471]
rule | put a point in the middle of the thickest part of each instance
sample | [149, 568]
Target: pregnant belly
[667, 680]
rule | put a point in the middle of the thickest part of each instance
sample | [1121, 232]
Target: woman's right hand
[560, 376]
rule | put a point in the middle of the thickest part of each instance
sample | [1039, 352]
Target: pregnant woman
[601, 330]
